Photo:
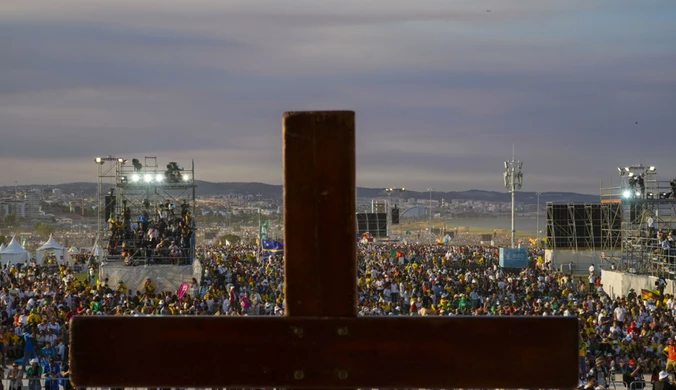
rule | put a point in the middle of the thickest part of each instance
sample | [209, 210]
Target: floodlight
[626, 194]
[651, 169]
[186, 177]
[638, 194]
[650, 195]
[98, 160]
[159, 177]
[122, 160]
[135, 178]
[627, 169]
[664, 195]
[631, 174]
[148, 178]
[620, 170]
[506, 164]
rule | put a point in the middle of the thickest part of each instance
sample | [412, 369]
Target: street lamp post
[513, 179]
[430, 189]
[537, 222]
[388, 210]
[401, 193]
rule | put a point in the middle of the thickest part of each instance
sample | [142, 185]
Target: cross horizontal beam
[298, 352]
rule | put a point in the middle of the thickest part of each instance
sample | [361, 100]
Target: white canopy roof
[50, 244]
[2, 247]
[14, 248]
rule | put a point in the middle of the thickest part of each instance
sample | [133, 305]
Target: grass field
[450, 225]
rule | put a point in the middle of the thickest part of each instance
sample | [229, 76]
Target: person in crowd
[34, 374]
[663, 382]
[15, 377]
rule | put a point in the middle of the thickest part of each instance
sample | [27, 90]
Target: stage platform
[165, 277]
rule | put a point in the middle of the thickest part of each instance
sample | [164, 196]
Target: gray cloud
[441, 91]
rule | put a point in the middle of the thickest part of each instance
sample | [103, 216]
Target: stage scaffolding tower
[143, 185]
[107, 168]
[635, 215]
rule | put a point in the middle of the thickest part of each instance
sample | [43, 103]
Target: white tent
[2, 247]
[13, 253]
[53, 247]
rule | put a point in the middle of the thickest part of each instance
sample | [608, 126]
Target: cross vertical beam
[319, 214]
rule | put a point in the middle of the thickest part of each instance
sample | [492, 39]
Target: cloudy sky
[441, 88]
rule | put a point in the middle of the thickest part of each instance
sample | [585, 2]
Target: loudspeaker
[374, 223]
[395, 215]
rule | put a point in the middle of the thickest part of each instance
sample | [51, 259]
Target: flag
[650, 295]
[272, 247]
[263, 230]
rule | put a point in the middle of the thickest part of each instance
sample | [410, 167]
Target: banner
[263, 230]
[182, 289]
[513, 257]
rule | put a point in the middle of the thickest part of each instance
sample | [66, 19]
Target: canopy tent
[51, 247]
[2, 247]
[13, 253]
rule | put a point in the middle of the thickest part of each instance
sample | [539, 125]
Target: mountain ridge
[274, 191]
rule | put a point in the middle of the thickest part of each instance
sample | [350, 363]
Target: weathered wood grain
[319, 213]
[386, 352]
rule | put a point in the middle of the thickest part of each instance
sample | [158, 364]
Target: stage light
[173, 173]
[122, 160]
[626, 194]
[664, 195]
[621, 171]
[159, 177]
[650, 195]
[627, 169]
[123, 179]
[651, 169]
[638, 194]
[135, 178]
[631, 174]
[137, 165]
[186, 177]
[148, 178]
[98, 160]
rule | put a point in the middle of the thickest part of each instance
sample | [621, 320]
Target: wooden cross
[321, 343]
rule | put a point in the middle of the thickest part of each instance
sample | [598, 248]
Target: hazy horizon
[28, 185]
[441, 89]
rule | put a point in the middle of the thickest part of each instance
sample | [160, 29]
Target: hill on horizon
[273, 191]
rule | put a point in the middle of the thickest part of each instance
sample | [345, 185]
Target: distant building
[57, 194]
[32, 199]
[13, 207]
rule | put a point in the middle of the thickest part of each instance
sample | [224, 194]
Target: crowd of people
[627, 335]
[161, 233]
